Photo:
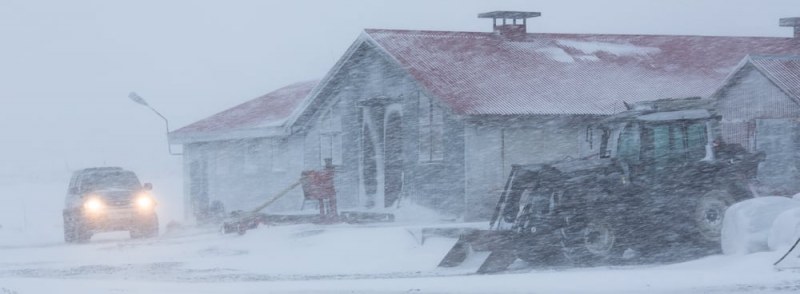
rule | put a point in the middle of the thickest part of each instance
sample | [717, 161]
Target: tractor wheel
[708, 214]
[592, 242]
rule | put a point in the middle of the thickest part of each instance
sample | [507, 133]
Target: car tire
[75, 230]
[708, 214]
[82, 233]
[70, 234]
[146, 229]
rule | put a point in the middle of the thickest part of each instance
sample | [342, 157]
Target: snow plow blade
[500, 244]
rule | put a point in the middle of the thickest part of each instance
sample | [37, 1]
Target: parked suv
[103, 199]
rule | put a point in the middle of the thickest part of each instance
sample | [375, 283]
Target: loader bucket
[500, 244]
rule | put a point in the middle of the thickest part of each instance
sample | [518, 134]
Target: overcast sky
[66, 67]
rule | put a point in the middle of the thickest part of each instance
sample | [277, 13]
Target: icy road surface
[343, 258]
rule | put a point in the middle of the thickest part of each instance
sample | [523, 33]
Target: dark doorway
[393, 158]
[369, 165]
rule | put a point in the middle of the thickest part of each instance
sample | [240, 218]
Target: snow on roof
[688, 114]
[486, 73]
[265, 112]
[784, 71]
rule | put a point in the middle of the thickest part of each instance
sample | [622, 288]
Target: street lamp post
[139, 100]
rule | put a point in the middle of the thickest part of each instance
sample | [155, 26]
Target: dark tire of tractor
[707, 217]
[590, 243]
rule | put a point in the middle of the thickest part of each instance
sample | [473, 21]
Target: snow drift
[747, 224]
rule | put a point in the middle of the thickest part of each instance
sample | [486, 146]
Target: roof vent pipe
[510, 23]
[792, 22]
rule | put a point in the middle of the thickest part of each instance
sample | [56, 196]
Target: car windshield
[109, 180]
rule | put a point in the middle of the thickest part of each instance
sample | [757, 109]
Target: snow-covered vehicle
[657, 191]
[105, 199]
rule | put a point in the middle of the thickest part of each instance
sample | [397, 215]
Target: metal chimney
[791, 22]
[512, 23]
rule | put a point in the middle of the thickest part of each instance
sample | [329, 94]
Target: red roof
[486, 73]
[784, 71]
[270, 110]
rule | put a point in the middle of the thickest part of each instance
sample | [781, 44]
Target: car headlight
[93, 204]
[145, 202]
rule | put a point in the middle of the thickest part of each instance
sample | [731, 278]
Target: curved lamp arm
[139, 100]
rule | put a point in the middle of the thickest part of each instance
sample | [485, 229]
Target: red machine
[318, 185]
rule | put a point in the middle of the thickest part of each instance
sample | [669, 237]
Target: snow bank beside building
[785, 230]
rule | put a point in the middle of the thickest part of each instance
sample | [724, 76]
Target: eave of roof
[782, 70]
[265, 116]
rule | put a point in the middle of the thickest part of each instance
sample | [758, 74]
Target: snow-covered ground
[343, 258]
[384, 258]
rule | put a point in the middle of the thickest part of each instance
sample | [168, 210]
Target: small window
[228, 159]
[330, 138]
[254, 155]
[431, 131]
[278, 157]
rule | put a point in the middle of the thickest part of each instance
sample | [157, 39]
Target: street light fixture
[139, 100]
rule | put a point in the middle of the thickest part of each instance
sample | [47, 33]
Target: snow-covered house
[760, 107]
[242, 155]
[438, 118]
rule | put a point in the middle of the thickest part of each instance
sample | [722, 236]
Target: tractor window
[659, 149]
[629, 143]
[673, 143]
[696, 141]
[541, 201]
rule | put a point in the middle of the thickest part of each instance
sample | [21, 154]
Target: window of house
[330, 138]
[278, 157]
[228, 159]
[254, 155]
[431, 131]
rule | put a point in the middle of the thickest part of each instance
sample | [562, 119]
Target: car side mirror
[73, 190]
[147, 186]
